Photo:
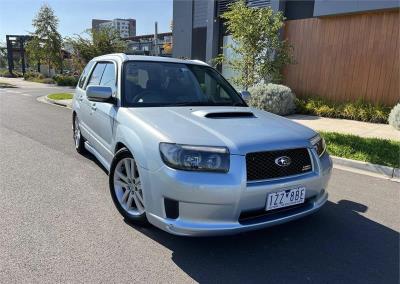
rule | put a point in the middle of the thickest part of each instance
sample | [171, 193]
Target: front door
[103, 113]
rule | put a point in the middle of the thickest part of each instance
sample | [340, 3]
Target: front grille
[261, 165]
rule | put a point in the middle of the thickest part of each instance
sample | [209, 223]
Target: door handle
[80, 98]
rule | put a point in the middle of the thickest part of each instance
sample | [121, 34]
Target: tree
[98, 42]
[46, 42]
[167, 48]
[3, 55]
[34, 52]
[260, 53]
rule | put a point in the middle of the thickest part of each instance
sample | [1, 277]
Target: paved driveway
[58, 223]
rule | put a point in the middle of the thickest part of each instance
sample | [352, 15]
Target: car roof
[127, 57]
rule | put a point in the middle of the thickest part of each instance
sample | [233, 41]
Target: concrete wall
[336, 7]
[182, 30]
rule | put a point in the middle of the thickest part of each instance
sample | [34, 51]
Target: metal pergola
[16, 44]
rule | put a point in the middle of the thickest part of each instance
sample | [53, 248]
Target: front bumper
[212, 203]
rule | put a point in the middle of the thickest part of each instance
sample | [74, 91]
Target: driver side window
[97, 74]
[104, 75]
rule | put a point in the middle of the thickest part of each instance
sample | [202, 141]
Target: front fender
[143, 147]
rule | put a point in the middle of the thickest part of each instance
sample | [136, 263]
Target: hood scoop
[224, 114]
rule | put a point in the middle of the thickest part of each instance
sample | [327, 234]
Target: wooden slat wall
[346, 58]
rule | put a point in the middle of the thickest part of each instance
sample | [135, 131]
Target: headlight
[319, 144]
[195, 158]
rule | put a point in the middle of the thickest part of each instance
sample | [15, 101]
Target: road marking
[26, 95]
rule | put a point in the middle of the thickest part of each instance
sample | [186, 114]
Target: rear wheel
[78, 138]
[126, 187]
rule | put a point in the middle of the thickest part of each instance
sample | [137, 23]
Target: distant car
[185, 153]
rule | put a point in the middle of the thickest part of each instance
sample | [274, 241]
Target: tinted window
[97, 73]
[108, 79]
[84, 74]
[173, 84]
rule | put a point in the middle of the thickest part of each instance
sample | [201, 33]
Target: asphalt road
[58, 223]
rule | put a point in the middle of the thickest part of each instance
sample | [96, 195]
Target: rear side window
[85, 74]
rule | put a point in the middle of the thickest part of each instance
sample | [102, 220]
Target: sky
[75, 16]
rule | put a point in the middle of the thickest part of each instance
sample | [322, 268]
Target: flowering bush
[394, 117]
[274, 98]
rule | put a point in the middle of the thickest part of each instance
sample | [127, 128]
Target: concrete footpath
[359, 128]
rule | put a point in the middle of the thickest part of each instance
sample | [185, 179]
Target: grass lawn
[371, 150]
[60, 96]
[6, 85]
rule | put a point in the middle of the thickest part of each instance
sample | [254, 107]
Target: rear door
[81, 105]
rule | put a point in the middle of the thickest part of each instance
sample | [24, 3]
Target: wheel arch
[127, 138]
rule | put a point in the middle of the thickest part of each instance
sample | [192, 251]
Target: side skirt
[98, 156]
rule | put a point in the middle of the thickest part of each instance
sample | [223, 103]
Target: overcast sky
[76, 15]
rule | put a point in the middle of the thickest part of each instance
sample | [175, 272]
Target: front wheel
[126, 187]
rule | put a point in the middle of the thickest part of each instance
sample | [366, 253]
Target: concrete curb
[388, 172]
[64, 103]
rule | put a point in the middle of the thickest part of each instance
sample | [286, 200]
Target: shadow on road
[92, 158]
[335, 245]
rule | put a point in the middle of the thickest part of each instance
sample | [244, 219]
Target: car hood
[242, 130]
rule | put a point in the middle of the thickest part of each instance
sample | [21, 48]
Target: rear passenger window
[85, 74]
[97, 74]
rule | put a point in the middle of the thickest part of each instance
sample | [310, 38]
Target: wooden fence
[346, 58]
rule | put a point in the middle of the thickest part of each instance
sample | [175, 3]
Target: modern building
[344, 50]
[126, 27]
[151, 44]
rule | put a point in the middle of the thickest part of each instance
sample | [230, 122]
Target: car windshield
[174, 84]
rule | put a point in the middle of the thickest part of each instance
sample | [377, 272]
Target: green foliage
[371, 150]
[38, 78]
[60, 96]
[6, 74]
[274, 98]
[98, 42]
[3, 56]
[259, 51]
[29, 76]
[65, 80]
[394, 117]
[350, 110]
[45, 46]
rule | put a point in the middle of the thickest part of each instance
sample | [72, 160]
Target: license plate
[286, 198]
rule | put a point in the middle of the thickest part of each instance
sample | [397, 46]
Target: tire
[125, 188]
[79, 140]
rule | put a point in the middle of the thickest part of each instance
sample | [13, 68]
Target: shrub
[274, 98]
[33, 75]
[394, 117]
[5, 73]
[350, 110]
[65, 80]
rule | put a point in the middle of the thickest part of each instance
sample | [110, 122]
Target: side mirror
[99, 93]
[245, 95]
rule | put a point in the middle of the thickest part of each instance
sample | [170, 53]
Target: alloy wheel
[128, 188]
